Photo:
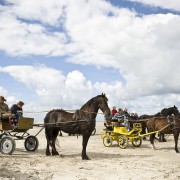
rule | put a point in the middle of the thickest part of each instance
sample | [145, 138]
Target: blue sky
[59, 54]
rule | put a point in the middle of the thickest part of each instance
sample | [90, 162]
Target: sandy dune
[106, 162]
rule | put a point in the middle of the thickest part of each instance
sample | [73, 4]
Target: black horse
[164, 113]
[169, 111]
[172, 126]
[87, 113]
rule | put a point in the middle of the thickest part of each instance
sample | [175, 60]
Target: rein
[60, 124]
[68, 110]
[89, 112]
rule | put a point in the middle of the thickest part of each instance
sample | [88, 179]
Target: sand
[106, 162]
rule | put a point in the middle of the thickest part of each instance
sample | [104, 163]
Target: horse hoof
[153, 147]
[55, 154]
[176, 151]
[85, 158]
[48, 153]
[164, 140]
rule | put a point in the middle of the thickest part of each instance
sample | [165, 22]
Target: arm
[4, 108]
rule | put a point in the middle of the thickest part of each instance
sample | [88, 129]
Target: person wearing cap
[17, 109]
[5, 113]
[4, 109]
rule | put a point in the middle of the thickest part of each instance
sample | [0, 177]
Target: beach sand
[106, 162]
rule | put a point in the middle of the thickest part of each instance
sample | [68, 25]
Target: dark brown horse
[87, 113]
[164, 113]
[164, 126]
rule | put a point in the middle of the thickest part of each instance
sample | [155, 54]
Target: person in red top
[114, 111]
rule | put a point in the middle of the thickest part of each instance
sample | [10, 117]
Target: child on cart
[17, 110]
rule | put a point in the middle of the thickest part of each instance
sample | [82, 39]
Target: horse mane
[92, 100]
[56, 110]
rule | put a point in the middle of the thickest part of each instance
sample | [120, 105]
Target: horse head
[103, 104]
[175, 110]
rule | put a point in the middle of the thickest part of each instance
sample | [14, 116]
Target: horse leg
[163, 138]
[84, 144]
[176, 136]
[152, 136]
[60, 133]
[143, 130]
[48, 143]
[160, 137]
[54, 151]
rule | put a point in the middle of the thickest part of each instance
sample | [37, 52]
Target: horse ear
[174, 106]
[103, 94]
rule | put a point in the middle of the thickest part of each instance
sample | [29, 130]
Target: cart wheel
[123, 141]
[94, 131]
[31, 143]
[136, 142]
[7, 145]
[107, 141]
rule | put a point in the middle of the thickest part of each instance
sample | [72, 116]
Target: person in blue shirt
[17, 109]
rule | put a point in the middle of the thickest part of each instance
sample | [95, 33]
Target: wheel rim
[7, 145]
[123, 142]
[31, 143]
[137, 142]
[107, 141]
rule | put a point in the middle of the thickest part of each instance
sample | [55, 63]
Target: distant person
[17, 109]
[127, 116]
[107, 123]
[135, 116]
[120, 112]
[114, 111]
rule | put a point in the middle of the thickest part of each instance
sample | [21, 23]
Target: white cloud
[46, 82]
[76, 88]
[3, 91]
[165, 4]
[20, 38]
[51, 86]
[46, 11]
[144, 49]
[10, 98]
[55, 90]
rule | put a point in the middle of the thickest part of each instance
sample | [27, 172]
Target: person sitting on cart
[122, 120]
[5, 112]
[107, 123]
[3, 106]
[119, 116]
[17, 109]
[113, 111]
[127, 115]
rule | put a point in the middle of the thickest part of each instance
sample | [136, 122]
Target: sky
[61, 53]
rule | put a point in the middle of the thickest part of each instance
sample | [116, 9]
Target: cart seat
[24, 124]
[121, 130]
